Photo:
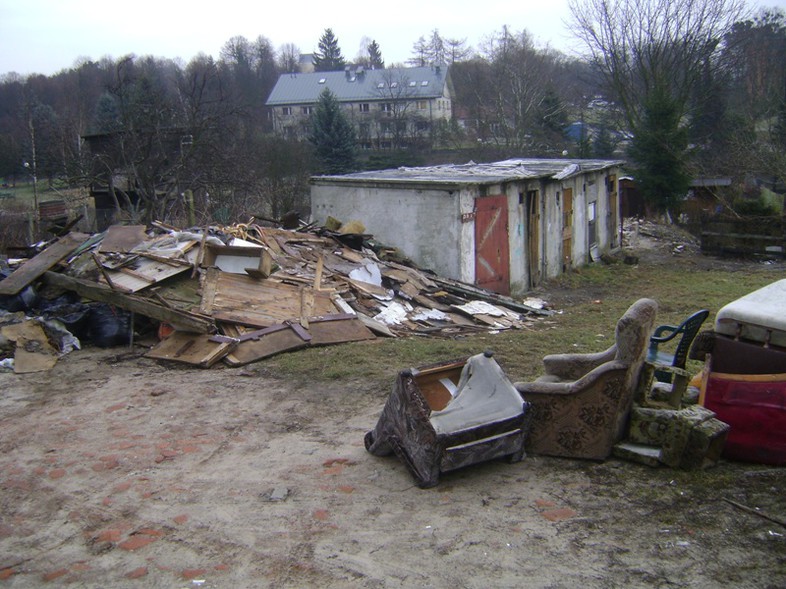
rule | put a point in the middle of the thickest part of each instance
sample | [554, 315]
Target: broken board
[263, 343]
[38, 265]
[122, 238]
[191, 348]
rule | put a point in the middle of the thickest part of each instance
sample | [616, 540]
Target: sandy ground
[117, 471]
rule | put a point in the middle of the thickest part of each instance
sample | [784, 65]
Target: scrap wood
[38, 265]
[192, 348]
[761, 514]
[90, 290]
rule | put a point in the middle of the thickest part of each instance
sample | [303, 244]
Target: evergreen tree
[658, 151]
[375, 56]
[328, 58]
[332, 136]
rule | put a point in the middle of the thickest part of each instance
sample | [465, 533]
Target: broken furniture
[744, 377]
[581, 406]
[446, 416]
[688, 438]
[667, 366]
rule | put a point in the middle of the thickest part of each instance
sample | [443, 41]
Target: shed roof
[360, 84]
[472, 173]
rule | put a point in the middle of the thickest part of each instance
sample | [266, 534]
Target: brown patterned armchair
[580, 407]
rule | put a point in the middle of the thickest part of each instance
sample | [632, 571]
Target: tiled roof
[360, 84]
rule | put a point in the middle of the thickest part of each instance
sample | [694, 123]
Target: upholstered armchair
[450, 415]
[581, 405]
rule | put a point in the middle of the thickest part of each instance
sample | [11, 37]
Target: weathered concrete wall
[425, 224]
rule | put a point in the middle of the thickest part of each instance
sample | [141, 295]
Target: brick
[7, 573]
[57, 473]
[109, 536]
[137, 573]
[80, 566]
[180, 519]
[221, 567]
[136, 542]
[120, 488]
[544, 503]
[346, 488]
[556, 515]
[189, 574]
[321, 514]
[54, 575]
[113, 408]
[150, 532]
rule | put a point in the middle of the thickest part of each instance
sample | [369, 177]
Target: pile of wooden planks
[241, 299]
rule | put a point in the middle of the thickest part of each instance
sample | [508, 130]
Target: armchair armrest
[569, 367]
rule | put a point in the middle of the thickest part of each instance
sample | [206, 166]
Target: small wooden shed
[504, 226]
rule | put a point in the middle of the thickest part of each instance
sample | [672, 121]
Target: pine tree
[375, 56]
[332, 136]
[328, 58]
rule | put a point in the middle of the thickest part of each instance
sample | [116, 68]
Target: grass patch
[590, 302]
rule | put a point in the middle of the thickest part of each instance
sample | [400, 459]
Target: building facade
[504, 226]
[390, 108]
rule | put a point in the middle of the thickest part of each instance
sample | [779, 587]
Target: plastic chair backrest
[688, 328]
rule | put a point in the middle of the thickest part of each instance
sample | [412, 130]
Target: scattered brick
[113, 408]
[544, 503]
[321, 514]
[136, 542]
[180, 519]
[189, 574]
[221, 567]
[346, 488]
[122, 487]
[109, 536]
[7, 573]
[54, 575]
[57, 473]
[149, 532]
[556, 515]
[137, 573]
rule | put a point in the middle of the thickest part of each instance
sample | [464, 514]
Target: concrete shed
[504, 226]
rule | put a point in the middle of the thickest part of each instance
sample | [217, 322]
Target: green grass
[589, 300]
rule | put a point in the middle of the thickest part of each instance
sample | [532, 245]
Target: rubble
[245, 292]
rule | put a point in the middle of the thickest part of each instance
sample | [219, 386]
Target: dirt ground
[118, 471]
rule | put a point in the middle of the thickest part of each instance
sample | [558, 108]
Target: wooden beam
[90, 290]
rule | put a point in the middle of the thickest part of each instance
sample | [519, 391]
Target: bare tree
[654, 55]
[289, 58]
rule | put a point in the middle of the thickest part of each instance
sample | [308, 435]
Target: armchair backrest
[632, 336]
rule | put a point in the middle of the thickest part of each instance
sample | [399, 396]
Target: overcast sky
[46, 36]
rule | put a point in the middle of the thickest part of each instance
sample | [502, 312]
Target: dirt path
[116, 471]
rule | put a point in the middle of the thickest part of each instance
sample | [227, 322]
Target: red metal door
[492, 254]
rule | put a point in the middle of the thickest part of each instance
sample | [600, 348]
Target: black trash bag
[109, 326]
[75, 317]
[22, 301]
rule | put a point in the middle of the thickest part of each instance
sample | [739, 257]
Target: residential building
[390, 108]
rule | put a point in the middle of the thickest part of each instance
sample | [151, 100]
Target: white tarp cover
[755, 314]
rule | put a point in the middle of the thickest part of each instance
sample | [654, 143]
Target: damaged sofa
[446, 416]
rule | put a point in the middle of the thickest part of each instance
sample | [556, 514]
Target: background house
[390, 108]
[504, 226]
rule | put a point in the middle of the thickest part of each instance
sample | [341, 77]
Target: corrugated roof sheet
[353, 86]
[489, 173]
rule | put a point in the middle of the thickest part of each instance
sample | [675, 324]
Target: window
[422, 104]
[363, 107]
[286, 110]
[322, 80]
[412, 84]
[381, 85]
[386, 107]
[394, 84]
[307, 110]
[424, 83]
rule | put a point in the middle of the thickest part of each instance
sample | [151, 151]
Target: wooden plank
[325, 331]
[122, 238]
[261, 303]
[189, 348]
[90, 290]
[275, 341]
[37, 266]
[146, 272]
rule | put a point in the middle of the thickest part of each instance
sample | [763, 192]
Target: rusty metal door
[492, 253]
[533, 238]
[567, 229]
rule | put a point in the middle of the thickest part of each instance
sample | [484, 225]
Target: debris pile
[242, 293]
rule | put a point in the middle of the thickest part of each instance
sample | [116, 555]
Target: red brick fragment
[556, 515]
[7, 573]
[544, 503]
[137, 573]
[109, 536]
[189, 574]
[136, 542]
[321, 514]
[54, 575]
[180, 519]
[57, 473]
[117, 407]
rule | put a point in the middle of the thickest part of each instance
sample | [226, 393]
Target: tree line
[687, 88]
